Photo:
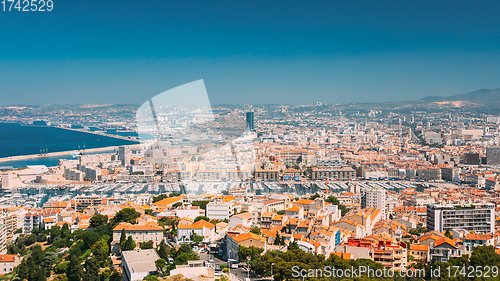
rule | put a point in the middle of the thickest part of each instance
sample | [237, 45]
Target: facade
[334, 174]
[493, 155]
[374, 198]
[220, 211]
[149, 231]
[247, 240]
[201, 228]
[208, 175]
[429, 173]
[419, 252]
[479, 218]
[267, 175]
[189, 212]
[8, 263]
[85, 201]
[444, 249]
[250, 121]
[391, 257]
[244, 219]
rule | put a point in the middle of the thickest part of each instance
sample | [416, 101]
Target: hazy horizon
[284, 52]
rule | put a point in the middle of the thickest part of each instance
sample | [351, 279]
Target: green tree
[162, 250]
[36, 254]
[147, 245]
[163, 221]
[116, 276]
[41, 275]
[129, 215]
[62, 268]
[334, 201]
[201, 218]
[159, 197]
[75, 271]
[185, 248]
[256, 230]
[98, 220]
[65, 231]
[30, 240]
[123, 239]
[23, 269]
[277, 240]
[148, 212]
[129, 244]
[151, 277]
[314, 196]
[196, 238]
[252, 252]
[91, 270]
[161, 265]
[177, 205]
[201, 204]
[60, 277]
[100, 250]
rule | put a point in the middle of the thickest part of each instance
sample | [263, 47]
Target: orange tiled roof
[8, 258]
[146, 226]
[249, 235]
[419, 247]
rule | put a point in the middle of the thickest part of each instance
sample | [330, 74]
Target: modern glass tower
[250, 122]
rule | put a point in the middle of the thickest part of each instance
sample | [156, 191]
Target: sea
[17, 139]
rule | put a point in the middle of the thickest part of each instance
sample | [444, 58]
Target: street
[241, 273]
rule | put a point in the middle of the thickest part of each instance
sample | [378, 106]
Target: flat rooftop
[140, 260]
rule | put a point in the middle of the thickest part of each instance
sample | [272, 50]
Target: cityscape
[249, 140]
[397, 188]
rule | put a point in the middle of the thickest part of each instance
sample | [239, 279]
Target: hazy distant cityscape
[249, 140]
[399, 186]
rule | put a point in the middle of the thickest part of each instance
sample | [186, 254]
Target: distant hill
[480, 96]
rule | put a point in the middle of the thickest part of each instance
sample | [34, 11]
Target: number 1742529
[27, 5]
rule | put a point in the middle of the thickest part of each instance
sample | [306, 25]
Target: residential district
[389, 190]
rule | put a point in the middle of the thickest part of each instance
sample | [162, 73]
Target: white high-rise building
[375, 198]
[479, 218]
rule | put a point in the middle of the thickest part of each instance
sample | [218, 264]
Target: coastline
[98, 133]
[60, 153]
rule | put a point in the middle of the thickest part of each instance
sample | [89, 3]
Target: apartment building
[138, 264]
[479, 218]
[221, 208]
[189, 212]
[35, 218]
[267, 175]
[8, 263]
[493, 155]
[393, 257]
[208, 175]
[334, 174]
[85, 201]
[12, 218]
[375, 198]
[419, 252]
[142, 232]
[444, 249]
[201, 228]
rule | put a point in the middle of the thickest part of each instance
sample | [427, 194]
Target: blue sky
[294, 52]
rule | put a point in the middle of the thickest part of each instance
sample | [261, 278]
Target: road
[241, 273]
